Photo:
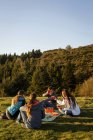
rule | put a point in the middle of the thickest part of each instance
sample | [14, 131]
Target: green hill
[35, 71]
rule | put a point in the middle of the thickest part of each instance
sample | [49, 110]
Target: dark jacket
[53, 101]
[37, 114]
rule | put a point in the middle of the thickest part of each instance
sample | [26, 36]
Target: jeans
[10, 117]
[19, 118]
[68, 112]
[46, 103]
[23, 115]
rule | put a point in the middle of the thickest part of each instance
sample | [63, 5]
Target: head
[32, 97]
[21, 93]
[68, 96]
[51, 89]
[65, 93]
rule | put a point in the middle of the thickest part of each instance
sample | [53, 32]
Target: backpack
[14, 108]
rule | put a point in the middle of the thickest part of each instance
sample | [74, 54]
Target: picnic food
[55, 113]
[49, 110]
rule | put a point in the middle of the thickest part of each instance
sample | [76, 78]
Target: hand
[59, 107]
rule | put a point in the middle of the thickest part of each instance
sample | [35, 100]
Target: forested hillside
[35, 71]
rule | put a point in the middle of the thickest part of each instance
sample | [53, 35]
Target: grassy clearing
[63, 128]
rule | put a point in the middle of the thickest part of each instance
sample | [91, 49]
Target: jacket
[37, 114]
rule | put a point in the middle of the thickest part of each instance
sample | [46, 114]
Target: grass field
[63, 128]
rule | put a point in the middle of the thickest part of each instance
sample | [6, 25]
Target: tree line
[35, 71]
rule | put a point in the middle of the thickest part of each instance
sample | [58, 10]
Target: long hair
[69, 96]
[19, 94]
[30, 103]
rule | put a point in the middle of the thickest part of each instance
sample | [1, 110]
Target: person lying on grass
[32, 113]
[71, 107]
[50, 92]
[18, 101]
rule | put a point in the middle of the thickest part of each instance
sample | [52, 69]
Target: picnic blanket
[51, 116]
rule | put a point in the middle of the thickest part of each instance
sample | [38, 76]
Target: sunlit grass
[63, 128]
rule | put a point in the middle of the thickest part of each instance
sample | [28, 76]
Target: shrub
[86, 88]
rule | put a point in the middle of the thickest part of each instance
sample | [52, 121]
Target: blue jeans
[68, 112]
[46, 103]
[23, 115]
[19, 118]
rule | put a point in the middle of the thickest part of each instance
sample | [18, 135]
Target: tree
[68, 77]
[68, 47]
[54, 72]
[3, 58]
[39, 80]
[11, 87]
[18, 68]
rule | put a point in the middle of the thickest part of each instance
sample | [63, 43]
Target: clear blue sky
[44, 24]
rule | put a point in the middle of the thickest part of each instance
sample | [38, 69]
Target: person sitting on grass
[32, 113]
[71, 107]
[50, 92]
[18, 101]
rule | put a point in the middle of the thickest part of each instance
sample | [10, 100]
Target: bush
[86, 88]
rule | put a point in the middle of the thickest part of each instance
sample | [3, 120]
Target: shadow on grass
[84, 122]
[86, 116]
[87, 112]
[59, 127]
[74, 120]
[5, 104]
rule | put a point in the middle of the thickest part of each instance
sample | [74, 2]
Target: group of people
[32, 112]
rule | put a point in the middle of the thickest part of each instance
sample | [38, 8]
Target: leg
[25, 119]
[61, 111]
[68, 112]
[19, 118]
[46, 103]
[9, 116]
[24, 116]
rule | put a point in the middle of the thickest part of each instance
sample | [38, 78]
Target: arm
[45, 94]
[46, 100]
[61, 102]
[23, 102]
[13, 102]
[23, 108]
[43, 114]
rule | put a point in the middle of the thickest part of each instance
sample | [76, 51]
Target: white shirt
[75, 110]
